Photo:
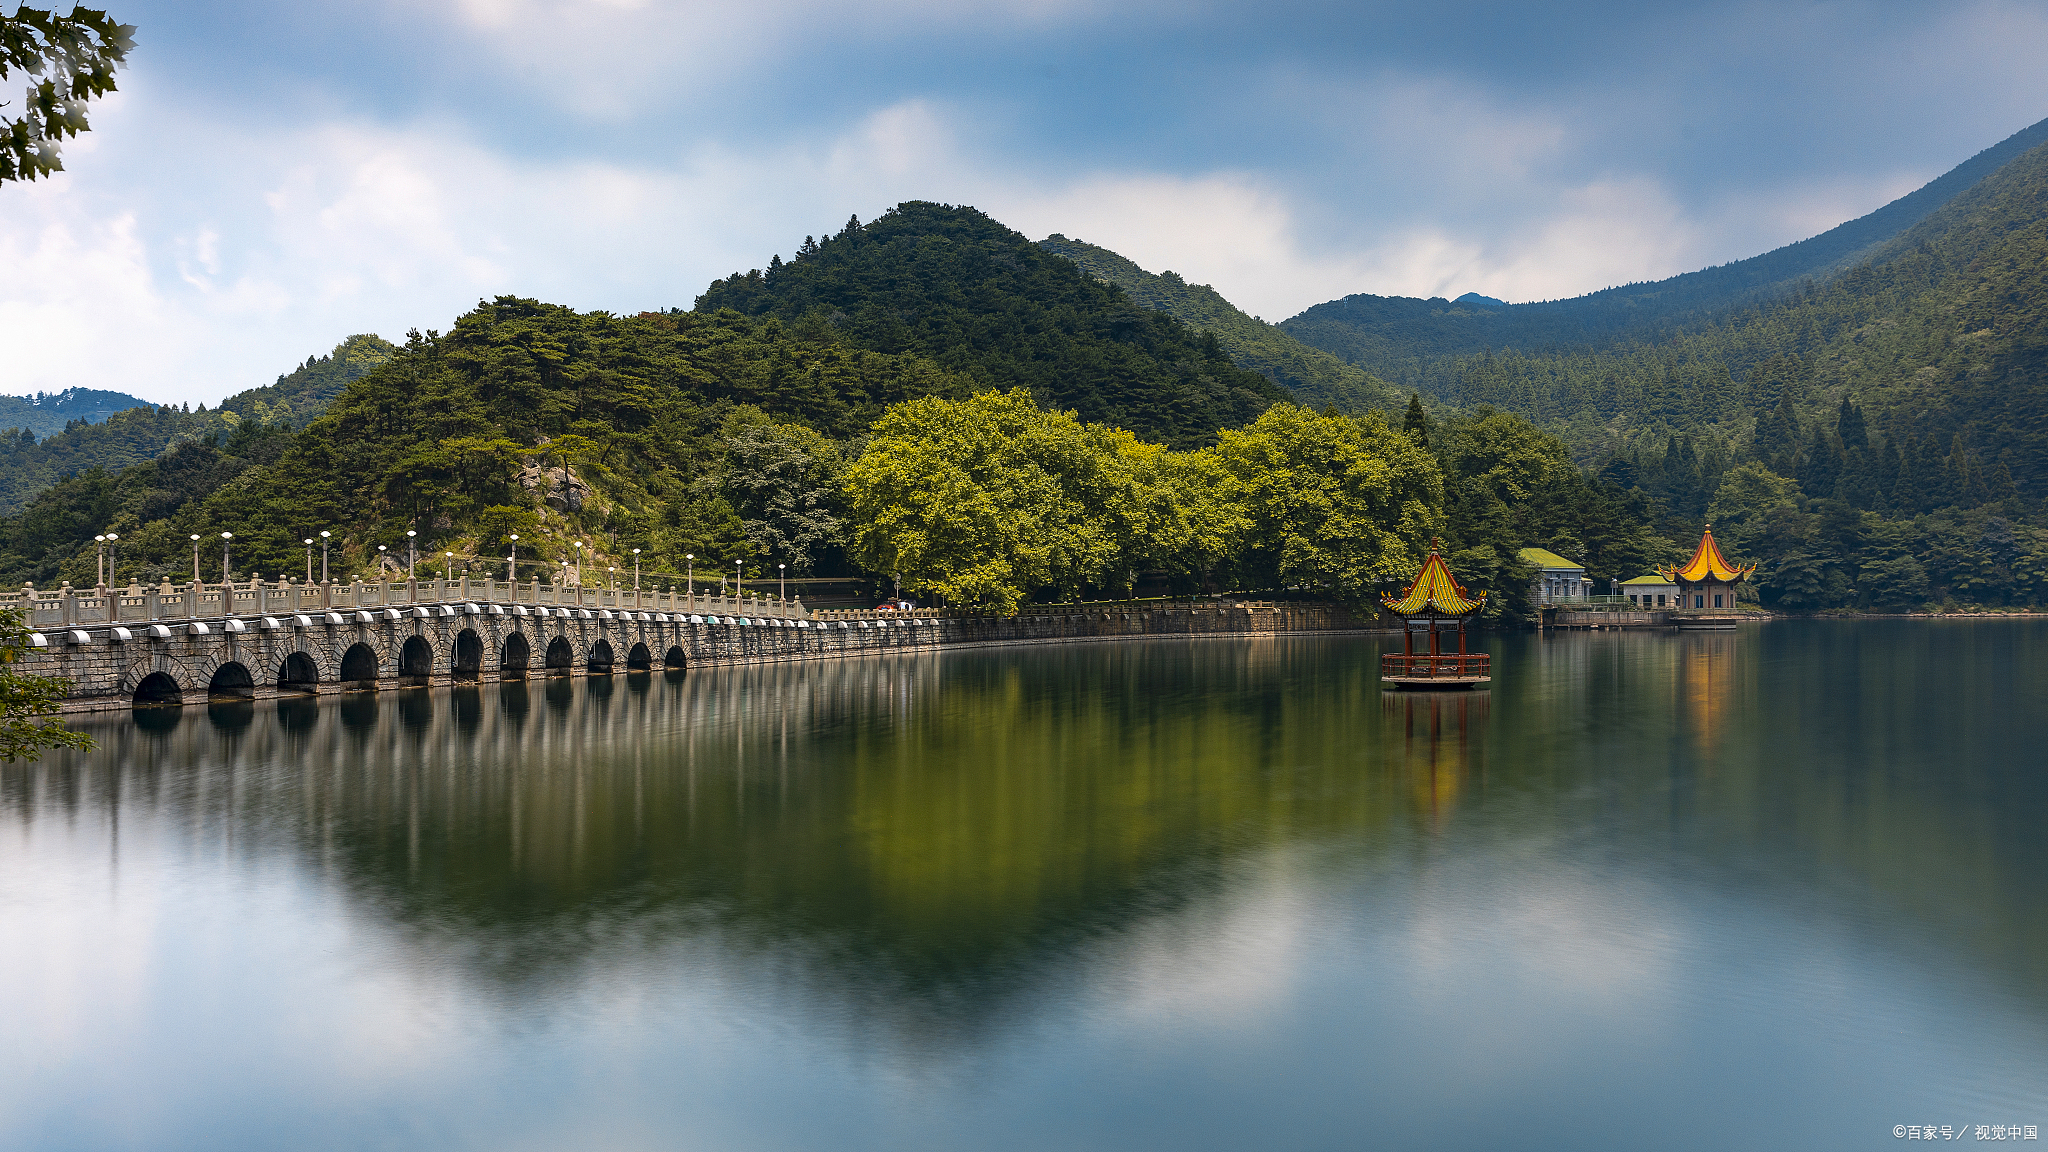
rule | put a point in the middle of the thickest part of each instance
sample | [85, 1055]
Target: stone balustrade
[71, 608]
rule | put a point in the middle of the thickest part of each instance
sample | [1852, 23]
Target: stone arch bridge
[203, 641]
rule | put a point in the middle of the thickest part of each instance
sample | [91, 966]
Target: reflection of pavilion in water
[1441, 741]
[1705, 684]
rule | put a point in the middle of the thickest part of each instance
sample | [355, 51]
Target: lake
[1784, 887]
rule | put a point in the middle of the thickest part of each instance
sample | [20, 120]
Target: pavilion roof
[1707, 563]
[1435, 591]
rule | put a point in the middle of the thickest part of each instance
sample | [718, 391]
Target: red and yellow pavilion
[1708, 580]
[1435, 606]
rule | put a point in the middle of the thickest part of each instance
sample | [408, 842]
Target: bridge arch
[639, 659]
[232, 679]
[298, 673]
[157, 688]
[416, 657]
[518, 654]
[358, 663]
[561, 657]
[469, 653]
[600, 656]
[676, 658]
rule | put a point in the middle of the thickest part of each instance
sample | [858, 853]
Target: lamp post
[323, 557]
[195, 557]
[739, 583]
[636, 573]
[99, 559]
[113, 550]
[447, 565]
[611, 578]
[380, 562]
[782, 581]
[227, 541]
[309, 559]
[579, 563]
[412, 555]
[690, 575]
[512, 561]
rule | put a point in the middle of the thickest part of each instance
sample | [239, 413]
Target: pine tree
[1819, 465]
[2002, 487]
[1416, 423]
[1777, 436]
[1909, 491]
[1849, 427]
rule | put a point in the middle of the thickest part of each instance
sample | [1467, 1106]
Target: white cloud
[186, 258]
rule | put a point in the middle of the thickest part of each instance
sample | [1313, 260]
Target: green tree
[496, 525]
[1416, 422]
[783, 481]
[1341, 504]
[1742, 506]
[28, 704]
[986, 499]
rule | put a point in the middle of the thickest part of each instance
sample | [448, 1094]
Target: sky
[272, 178]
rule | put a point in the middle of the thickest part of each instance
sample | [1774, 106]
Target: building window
[1699, 601]
[1717, 600]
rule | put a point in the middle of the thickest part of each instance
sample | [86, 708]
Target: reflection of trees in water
[1895, 757]
[921, 833]
[922, 837]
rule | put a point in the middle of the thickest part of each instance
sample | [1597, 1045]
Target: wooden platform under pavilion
[1434, 607]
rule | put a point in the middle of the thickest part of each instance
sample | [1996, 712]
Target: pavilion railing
[1452, 666]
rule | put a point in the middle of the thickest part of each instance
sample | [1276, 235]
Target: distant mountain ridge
[140, 431]
[47, 413]
[1394, 336]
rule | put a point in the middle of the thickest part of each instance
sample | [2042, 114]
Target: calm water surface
[1782, 888]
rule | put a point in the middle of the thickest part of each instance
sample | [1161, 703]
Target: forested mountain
[48, 412]
[27, 466]
[705, 438]
[978, 299]
[1314, 376]
[524, 417]
[1399, 337]
[1879, 439]
[136, 434]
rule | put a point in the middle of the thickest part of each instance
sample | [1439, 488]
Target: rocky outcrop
[558, 487]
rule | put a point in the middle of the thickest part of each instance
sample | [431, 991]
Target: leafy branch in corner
[28, 704]
[69, 59]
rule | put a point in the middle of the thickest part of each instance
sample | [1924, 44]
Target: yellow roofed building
[1434, 610]
[1708, 580]
[1557, 578]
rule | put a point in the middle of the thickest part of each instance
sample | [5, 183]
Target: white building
[1557, 579]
